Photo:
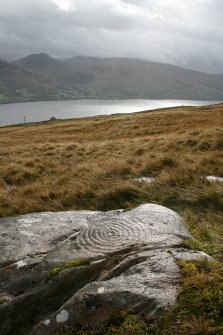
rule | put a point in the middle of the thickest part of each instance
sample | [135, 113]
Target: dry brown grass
[92, 162]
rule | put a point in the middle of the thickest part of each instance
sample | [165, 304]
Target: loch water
[44, 110]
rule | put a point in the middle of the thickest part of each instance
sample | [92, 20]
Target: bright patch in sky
[64, 5]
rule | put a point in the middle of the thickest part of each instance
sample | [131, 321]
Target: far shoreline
[39, 111]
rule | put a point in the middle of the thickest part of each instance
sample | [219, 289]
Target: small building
[52, 118]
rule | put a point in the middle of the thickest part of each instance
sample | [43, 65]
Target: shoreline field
[28, 112]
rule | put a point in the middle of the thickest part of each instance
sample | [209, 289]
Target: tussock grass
[94, 163]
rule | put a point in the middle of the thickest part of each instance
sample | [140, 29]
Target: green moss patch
[71, 264]
[2, 300]
[79, 262]
[54, 272]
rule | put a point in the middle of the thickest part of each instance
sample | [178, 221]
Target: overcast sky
[188, 33]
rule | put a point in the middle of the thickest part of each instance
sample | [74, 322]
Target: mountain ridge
[39, 62]
[43, 77]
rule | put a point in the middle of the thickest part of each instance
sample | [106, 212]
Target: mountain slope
[139, 78]
[18, 84]
[46, 78]
[13, 75]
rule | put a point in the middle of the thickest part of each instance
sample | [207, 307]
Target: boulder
[76, 267]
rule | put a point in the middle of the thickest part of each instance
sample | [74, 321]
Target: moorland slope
[95, 163]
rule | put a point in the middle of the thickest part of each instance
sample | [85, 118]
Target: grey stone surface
[132, 266]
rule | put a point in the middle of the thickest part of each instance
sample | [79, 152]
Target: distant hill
[18, 84]
[42, 77]
[143, 79]
[41, 63]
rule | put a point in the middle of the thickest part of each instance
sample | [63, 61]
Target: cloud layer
[187, 33]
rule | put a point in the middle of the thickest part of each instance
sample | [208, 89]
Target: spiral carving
[115, 234]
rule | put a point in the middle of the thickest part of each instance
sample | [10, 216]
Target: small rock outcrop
[68, 268]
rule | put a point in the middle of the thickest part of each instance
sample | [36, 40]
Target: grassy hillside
[94, 163]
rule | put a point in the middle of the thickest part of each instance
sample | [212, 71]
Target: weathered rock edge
[132, 257]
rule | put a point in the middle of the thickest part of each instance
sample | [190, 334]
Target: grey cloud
[188, 33]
